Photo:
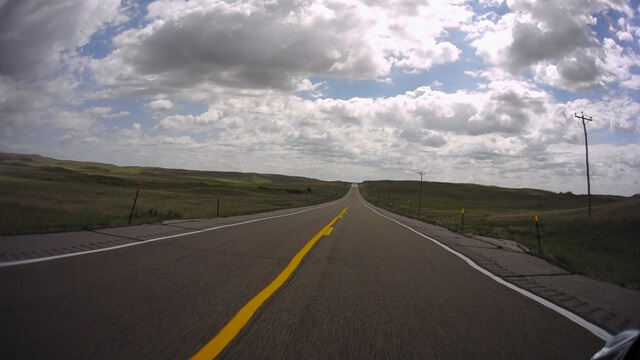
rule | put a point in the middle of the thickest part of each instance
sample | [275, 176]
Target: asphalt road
[369, 289]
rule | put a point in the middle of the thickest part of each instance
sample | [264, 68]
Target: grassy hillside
[605, 247]
[39, 194]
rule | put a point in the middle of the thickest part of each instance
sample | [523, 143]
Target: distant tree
[308, 189]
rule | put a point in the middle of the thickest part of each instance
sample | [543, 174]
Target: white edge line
[594, 329]
[142, 242]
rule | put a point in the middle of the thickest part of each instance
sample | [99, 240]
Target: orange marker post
[462, 219]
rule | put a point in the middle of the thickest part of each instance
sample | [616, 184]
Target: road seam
[594, 329]
[141, 242]
[242, 317]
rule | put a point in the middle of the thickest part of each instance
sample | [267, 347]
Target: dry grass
[39, 194]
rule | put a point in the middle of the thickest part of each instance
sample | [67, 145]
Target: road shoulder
[611, 307]
[24, 248]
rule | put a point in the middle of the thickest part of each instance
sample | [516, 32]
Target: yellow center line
[233, 327]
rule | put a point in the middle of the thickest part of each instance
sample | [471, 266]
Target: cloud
[624, 36]
[619, 114]
[555, 39]
[581, 68]
[531, 44]
[359, 128]
[105, 112]
[26, 103]
[519, 40]
[247, 45]
[424, 137]
[576, 72]
[70, 120]
[161, 104]
[36, 34]
[618, 62]
[189, 122]
[182, 141]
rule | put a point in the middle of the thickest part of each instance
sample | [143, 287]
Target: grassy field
[39, 194]
[606, 247]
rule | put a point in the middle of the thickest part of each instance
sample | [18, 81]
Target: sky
[483, 91]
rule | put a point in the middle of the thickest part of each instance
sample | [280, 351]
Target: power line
[617, 107]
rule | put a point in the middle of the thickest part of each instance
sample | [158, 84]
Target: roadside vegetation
[607, 247]
[39, 194]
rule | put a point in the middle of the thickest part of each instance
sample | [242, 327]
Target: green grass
[605, 247]
[39, 194]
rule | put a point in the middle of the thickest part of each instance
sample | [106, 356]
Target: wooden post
[538, 233]
[135, 200]
[389, 194]
[218, 207]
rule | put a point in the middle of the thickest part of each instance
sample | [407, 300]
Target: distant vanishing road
[368, 288]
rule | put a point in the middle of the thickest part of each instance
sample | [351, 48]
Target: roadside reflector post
[462, 219]
[538, 233]
[218, 206]
[135, 201]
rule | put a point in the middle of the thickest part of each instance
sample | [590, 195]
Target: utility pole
[586, 146]
[420, 200]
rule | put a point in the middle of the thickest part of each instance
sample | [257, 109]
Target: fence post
[135, 200]
[538, 233]
[218, 206]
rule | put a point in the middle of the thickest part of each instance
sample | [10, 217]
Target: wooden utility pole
[420, 200]
[586, 146]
